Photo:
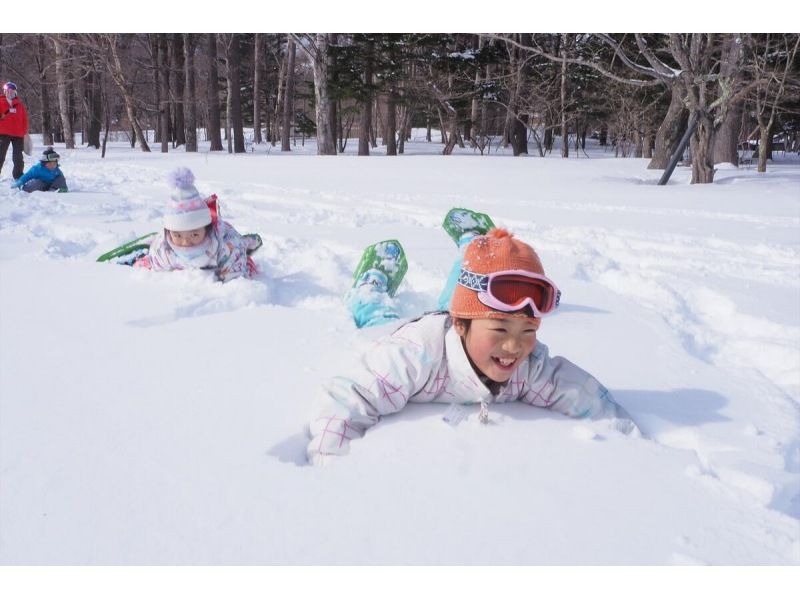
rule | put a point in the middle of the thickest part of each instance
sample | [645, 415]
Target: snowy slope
[159, 418]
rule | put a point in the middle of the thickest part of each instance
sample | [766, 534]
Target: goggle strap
[473, 281]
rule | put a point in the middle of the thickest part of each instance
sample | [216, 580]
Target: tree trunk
[563, 95]
[177, 53]
[763, 148]
[279, 95]
[258, 41]
[47, 125]
[325, 143]
[288, 95]
[428, 126]
[365, 121]
[511, 112]
[475, 108]
[702, 148]
[93, 103]
[333, 114]
[118, 74]
[726, 145]
[452, 129]
[190, 97]
[373, 129]
[518, 132]
[671, 130]
[212, 90]
[647, 149]
[163, 91]
[391, 123]
[107, 112]
[234, 62]
[63, 91]
[153, 41]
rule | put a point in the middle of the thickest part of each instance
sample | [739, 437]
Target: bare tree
[518, 129]
[288, 95]
[92, 96]
[47, 127]
[109, 45]
[703, 69]
[563, 98]
[391, 122]
[316, 47]
[258, 67]
[60, 44]
[212, 92]
[178, 87]
[234, 103]
[190, 93]
[280, 92]
[773, 61]
[365, 124]
[162, 62]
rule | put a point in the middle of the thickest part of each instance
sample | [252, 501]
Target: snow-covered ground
[151, 418]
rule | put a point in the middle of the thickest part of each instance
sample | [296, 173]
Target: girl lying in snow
[483, 350]
[194, 237]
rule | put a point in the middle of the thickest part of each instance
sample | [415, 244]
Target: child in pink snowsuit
[194, 237]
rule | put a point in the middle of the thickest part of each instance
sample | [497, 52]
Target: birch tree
[110, 45]
[60, 44]
[42, 67]
[315, 46]
[288, 95]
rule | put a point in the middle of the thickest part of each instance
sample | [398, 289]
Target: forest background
[737, 93]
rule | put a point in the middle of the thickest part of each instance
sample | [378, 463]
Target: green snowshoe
[383, 264]
[460, 221]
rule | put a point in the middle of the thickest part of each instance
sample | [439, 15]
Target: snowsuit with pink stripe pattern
[424, 361]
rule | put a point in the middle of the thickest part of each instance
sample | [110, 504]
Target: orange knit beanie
[495, 251]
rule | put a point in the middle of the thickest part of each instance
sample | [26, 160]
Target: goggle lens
[514, 290]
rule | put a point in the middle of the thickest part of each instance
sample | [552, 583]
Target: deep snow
[153, 418]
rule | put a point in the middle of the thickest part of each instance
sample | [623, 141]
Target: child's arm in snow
[232, 255]
[388, 375]
[24, 178]
[562, 386]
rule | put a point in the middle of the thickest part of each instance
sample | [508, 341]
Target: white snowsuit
[424, 361]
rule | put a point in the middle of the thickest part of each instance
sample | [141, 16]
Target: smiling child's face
[497, 346]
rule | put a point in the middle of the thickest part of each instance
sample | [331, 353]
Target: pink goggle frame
[513, 290]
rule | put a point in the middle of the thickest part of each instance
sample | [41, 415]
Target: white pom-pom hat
[186, 209]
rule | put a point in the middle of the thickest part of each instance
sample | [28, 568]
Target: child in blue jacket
[44, 176]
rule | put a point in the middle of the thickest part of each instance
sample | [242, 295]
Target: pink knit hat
[496, 251]
[186, 209]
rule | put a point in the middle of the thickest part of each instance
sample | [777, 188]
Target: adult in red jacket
[13, 128]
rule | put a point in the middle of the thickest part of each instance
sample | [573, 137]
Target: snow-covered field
[151, 418]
